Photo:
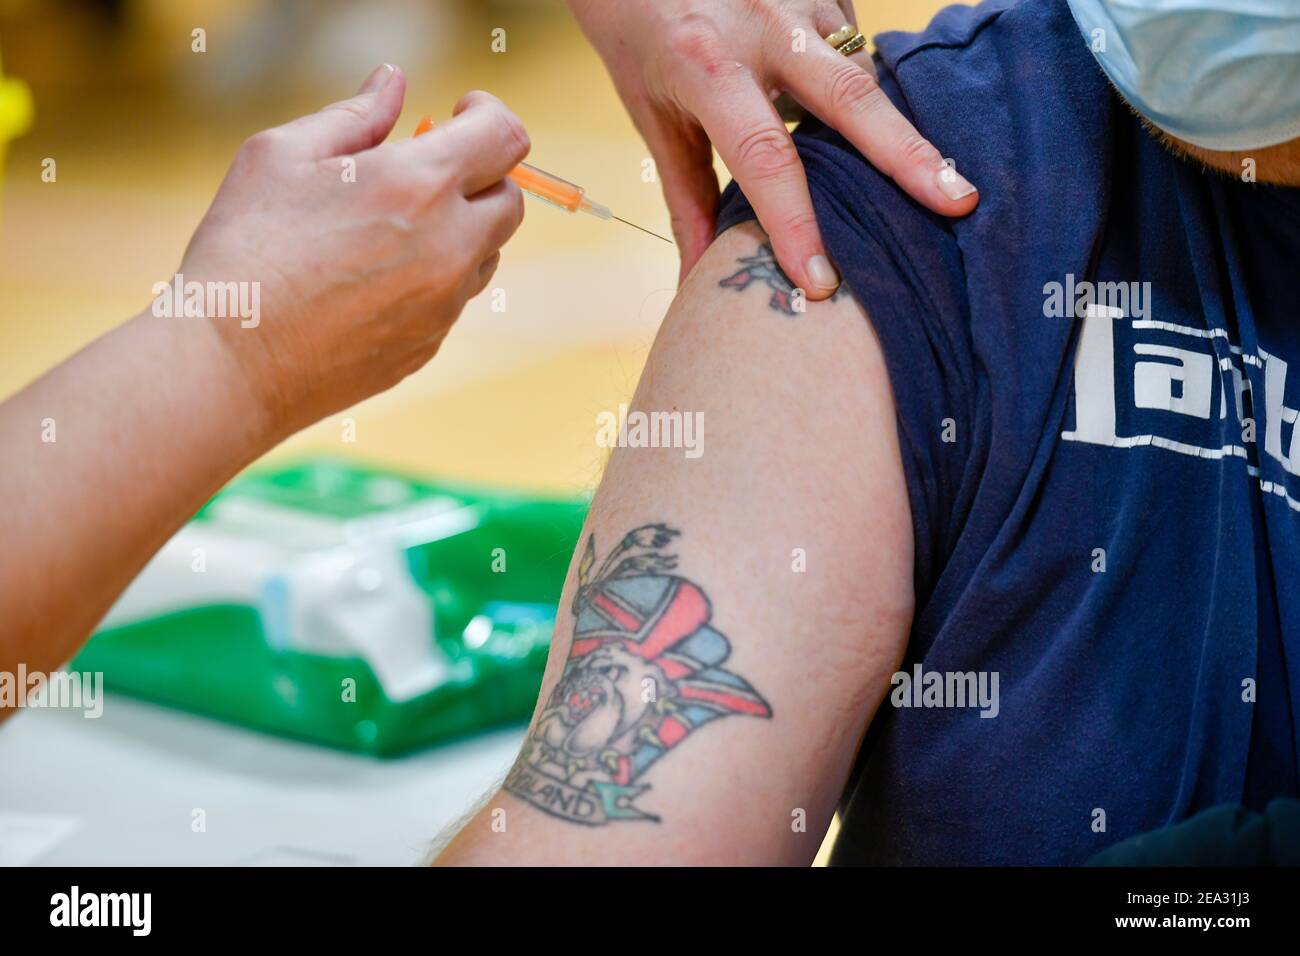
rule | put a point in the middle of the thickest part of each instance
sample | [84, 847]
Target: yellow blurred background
[141, 129]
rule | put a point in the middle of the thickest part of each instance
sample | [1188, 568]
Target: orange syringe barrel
[530, 179]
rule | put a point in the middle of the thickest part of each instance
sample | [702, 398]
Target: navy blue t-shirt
[1104, 479]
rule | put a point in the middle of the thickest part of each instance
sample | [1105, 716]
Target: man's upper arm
[739, 599]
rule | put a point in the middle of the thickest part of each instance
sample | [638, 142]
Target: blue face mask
[1220, 74]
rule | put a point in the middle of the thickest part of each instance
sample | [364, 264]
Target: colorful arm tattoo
[644, 673]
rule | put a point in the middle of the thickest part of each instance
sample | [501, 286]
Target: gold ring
[846, 40]
[842, 35]
[855, 43]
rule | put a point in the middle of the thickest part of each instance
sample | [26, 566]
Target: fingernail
[377, 80]
[823, 273]
[953, 184]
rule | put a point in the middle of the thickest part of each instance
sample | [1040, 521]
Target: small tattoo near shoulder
[645, 672]
[762, 267]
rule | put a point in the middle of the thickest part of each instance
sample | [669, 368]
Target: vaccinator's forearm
[106, 456]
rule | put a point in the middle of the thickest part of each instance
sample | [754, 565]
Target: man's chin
[1276, 165]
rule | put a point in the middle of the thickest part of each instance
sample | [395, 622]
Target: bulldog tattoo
[644, 673]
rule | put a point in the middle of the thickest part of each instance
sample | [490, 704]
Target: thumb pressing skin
[692, 229]
[690, 191]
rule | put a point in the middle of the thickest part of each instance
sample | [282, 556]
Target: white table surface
[122, 790]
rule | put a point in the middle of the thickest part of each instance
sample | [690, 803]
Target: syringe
[552, 189]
